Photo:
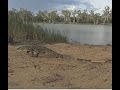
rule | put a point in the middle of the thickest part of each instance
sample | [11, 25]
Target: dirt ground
[25, 72]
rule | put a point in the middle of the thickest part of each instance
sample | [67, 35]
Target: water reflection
[84, 34]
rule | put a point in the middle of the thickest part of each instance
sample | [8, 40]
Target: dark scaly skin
[39, 49]
[35, 50]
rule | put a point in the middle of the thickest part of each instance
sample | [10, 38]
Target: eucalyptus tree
[67, 15]
[39, 16]
[106, 14]
[96, 18]
[79, 13]
[61, 18]
[92, 16]
[74, 13]
[85, 15]
[49, 17]
[110, 14]
[54, 17]
[44, 16]
[25, 15]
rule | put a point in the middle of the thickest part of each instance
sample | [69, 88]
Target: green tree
[106, 15]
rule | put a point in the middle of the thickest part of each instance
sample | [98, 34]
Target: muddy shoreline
[25, 72]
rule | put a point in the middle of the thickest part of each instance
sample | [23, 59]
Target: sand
[92, 68]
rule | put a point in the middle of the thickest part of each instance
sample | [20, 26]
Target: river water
[84, 34]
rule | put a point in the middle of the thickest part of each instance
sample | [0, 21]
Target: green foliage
[24, 30]
[20, 23]
[83, 17]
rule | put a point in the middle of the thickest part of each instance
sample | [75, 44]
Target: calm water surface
[84, 34]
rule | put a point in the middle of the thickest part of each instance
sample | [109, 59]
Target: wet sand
[92, 68]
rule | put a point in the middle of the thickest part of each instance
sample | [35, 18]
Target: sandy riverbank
[44, 72]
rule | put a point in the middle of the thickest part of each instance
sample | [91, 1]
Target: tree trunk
[97, 21]
[73, 20]
[49, 21]
[104, 21]
[69, 20]
[94, 21]
[64, 19]
[77, 20]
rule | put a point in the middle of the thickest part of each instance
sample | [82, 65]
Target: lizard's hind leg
[31, 52]
[36, 53]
